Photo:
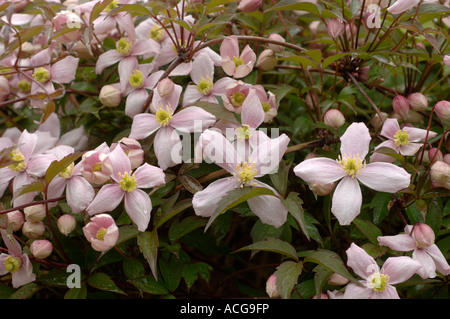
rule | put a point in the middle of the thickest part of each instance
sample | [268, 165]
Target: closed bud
[66, 224]
[377, 122]
[33, 230]
[435, 154]
[335, 28]
[266, 60]
[110, 96]
[26, 50]
[447, 158]
[249, 5]
[272, 288]
[440, 174]
[165, 87]
[423, 235]
[35, 213]
[337, 280]
[334, 118]
[15, 220]
[442, 109]
[401, 106]
[417, 101]
[275, 47]
[321, 189]
[41, 248]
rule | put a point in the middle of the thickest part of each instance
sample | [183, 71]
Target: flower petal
[107, 59]
[148, 176]
[167, 146]
[106, 200]
[135, 101]
[202, 68]
[192, 119]
[347, 200]
[319, 170]
[120, 163]
[252, 113]
[206, 201]
[400, 269]
[138, 206]
[402, 5]
[390, 127]
[384, 177]
[441, 263]
[268, 154]
[401, 242]
[64, 70]
[229, 47]
[428, 269]
[361, 262]
[143, 126]
[79, 194]
[355, 140]
[354, 291]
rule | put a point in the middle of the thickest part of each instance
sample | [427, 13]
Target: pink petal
[389, 144]
[107, 59]
[384, 177]
[268, 154]
[249, 56]
[252, 113]
[360, 261]
[64, 70]
[354, 291]
[41, 58]
[148, 176]
[441, 263]
[39, 164]
[79, 194]
[26, 143]
[167, 146]
[202, 68]
[417, 134]
[125, 68]
[14, 248]
[126, 23]
[220, 86]
[355, 140]
[401, 242]
[242, 71]
[192, 119]
[402, 5]
[319, 170]
[135, 101]
[390, 127]
[410, 149]
[182, 69]
[347, 200]
[400, 269]
[120, 163]
[229, 48]
[56, 187]
[138, 206]
[191, 95]
[228, 66]
[390, 292]
[106, 200]
[428, 269]
[147, 47]
[20, 180]
[171, 101]
[25, 273]
[143, 126]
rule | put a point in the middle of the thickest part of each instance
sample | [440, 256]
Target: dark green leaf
[273, 245]
[104, 282]
[287, 275]
[148, 244]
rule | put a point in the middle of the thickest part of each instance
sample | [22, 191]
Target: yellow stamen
[111, 6]
[238, 61]
[17, 157]
[67, 172]
[123, 46]
[127, 183]
[204, 86]
[24, 85]
[246, 173]
[41, 75]
[238, 98]
[379, 281]
[163, 117]
[351, 165]
[101, 234]
[266, 106]
[401, 138]
[12, 264]
[136, 79]
[156, 33]
[244, 132]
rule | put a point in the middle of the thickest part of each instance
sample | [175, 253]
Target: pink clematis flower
[15, 262]
[351, 168]
[189, 120]
[101, 232]
[234, 63]
[424, 251]
[236, 93]
[205, 89]
[377, 284]
[127, 185]
[264, 159]
[403, 141]
[401, 6]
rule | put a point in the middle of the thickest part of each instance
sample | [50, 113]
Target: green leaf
[36, 186]
[320, 278]
[368, 229]
[300, 60]
[219, 111]
[293, 203]
[287, 275]
[150, 285]
[280, 178]
[296, 5]
[171, 272]
[133, 9]
[179, 229]
[77, 293]
[273, 245]
[173, 211]
[97, 9]
[57, 167]
[26, 291]
[434, 215]
[127, 232]
[103, 282]
[191, 272]
[148, 244]
[133, 268]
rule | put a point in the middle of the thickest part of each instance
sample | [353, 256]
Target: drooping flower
[15, 262]
[351, 168]
[101, 232]
[264, 158]
[378, 283]
[420, 240]
[128, 186]
[235, 63]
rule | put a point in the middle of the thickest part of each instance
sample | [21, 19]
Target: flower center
[137, 79]
[204, 86]
[100, 235]
[127, 183]
[97, 167]
[12, 264]
[265, 106]
[163, 117]
[246, 173]
[123, 46]
[237, 98]
[67, 172]
[156, 33]
[401, 138]
[244, 132]
[238, 61]
[41, 75]
[24, 85]
[17, 157]
[111, 6]
[378, 282]
[351, 165]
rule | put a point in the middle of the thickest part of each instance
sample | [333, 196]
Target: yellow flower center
[97, 167]
[127, 183]
[12, 264]
[67, 172]
[246, 173]
[156, 33]
[136, 79]
[123, 46]
[237, 98]
[111, 6]
[100, 235]
[41, 75]
[351, 165]
[238, 61]
[378, 282]
[204, 86]
[265, 106]
[244, 132]
[19, 160]
[401, 138]
[163, 117]
[24, 85]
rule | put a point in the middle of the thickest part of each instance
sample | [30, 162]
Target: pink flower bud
[101, 232]
[66, 224]
[447, 158]
[165, 87]
[322, 296]
[417, 101]
[423, 235]
[272, 288]
[334, 118]
[133, 150]
[377, 122]
[35, 213]
[321, 189]
[110, 96]
[33, 230]
[337, 280]
[435, 154]
[41, 248]
[26, 50]
[4, 88]
[335, 28]
[447, 60]
[15, 220]
[401, 106]
[440, 174]
[266, 60]
[442, 109]
[275, 47]
[249, 5]
[96, 167]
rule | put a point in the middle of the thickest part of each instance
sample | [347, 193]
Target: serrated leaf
[148, 244]
[57, 167]
[293, 203]
[104, 282]
[273, 245]
[190, 273]
[287, 275]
